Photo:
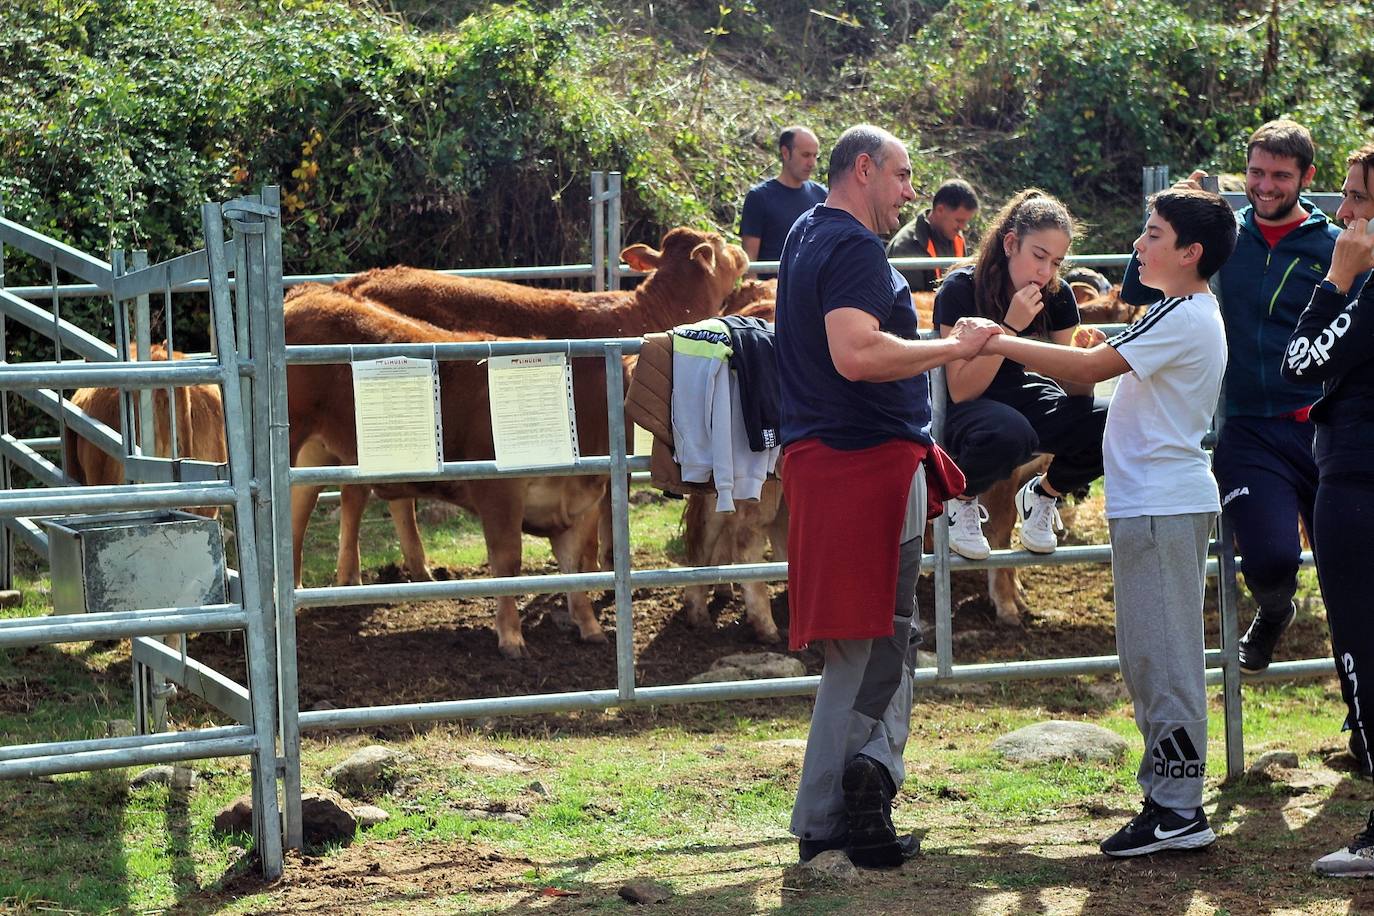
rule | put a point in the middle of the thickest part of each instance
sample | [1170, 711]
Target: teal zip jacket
[1262, 293]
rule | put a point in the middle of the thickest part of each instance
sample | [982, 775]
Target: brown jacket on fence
[649, 405]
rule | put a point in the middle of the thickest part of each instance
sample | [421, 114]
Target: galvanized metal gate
[251, 608]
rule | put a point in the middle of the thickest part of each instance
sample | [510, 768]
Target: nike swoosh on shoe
[1162, 834]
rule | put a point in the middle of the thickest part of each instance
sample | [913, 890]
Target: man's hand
[1025, 305]
[1192, 183]
[969, 335]
[1353, 255]
[1086, 336]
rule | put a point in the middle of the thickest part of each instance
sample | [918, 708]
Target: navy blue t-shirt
[832, 261]
[770, 209]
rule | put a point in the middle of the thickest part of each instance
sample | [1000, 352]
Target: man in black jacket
[935, 233]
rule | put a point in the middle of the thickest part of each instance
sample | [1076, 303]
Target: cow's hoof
[769, 636]
[699, 619]
[514, 650]
[597, 638]
[424, 575]
[1010, 618]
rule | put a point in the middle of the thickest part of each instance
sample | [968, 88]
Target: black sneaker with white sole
[1353, 861]
[1257, 645]
[1156, 829]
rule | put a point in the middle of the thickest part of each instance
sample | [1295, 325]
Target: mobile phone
[1211, 183]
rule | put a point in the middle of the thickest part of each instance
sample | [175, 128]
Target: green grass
[696, 796]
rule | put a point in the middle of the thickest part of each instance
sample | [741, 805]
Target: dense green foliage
[464, 133]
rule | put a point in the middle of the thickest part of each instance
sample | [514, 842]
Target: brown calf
[199, 422]
[320, 398]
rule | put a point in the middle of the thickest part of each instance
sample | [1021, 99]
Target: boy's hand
[969, 335]
[1086, 337]
[1353, 255]
[1025, 305]
[1192, 183]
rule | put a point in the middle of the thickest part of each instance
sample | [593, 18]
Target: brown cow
[320, 399]
[688, 280]
[199, 422]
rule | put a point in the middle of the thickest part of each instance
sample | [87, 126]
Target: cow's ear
[705, 255]
[641, 257]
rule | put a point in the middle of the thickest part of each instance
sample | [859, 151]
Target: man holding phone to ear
[1334, 344]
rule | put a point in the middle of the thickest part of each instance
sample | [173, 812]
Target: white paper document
[533, 423]
[396, 406]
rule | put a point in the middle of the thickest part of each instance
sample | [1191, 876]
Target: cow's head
[691, 254]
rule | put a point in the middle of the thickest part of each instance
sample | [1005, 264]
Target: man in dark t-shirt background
[855, 406]
[772, 206]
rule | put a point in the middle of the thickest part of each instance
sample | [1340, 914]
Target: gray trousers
[863, 704]
[1159, 574]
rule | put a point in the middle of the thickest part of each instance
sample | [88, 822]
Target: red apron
[846, 510]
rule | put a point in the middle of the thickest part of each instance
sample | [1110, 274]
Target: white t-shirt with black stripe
[1152, 449]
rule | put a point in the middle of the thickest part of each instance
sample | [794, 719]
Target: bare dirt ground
[364, 655]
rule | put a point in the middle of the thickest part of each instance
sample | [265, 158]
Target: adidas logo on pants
[1176, 757]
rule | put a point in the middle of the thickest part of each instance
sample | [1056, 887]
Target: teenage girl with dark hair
[999, 414]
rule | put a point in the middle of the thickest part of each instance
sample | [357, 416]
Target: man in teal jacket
[1263, 459]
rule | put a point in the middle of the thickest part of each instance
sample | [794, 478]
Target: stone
[120, 728]
[926, 659]
[1059, 740]
[235, 817]
[10, 597]
[538, 788]
[327, 817]
[750, 666]
[176, 777]
[1266, 765]
[494, 763]
[645, 892]
[365, 773]
[831, 868]
[323, 706]
[370, 815]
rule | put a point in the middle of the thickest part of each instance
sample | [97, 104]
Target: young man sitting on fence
[1162, 500]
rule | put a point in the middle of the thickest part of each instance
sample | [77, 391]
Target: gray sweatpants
[1159, 567]
[863, 704]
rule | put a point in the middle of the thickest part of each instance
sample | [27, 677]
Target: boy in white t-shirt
[1161, 500]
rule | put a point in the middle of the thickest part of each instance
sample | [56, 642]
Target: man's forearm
[887, 358]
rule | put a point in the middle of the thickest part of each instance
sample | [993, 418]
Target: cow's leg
[701, 530]
[500, 506]
[605, 538]
[303, 500]
[570, 548]
[1000, 502]
[352, 502]
[408, 532]
[749, 541]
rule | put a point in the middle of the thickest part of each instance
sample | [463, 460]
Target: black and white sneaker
[1157, 828]
[1353, 861]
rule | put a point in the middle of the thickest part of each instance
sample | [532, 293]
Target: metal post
[613, 245]
[598, 231]
[6, 535]
[944, 611]
[143, 342]
[262, 680]
[620, 525]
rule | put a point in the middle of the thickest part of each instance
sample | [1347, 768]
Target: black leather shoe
[1257, 645]
[909, 845]
[872, 839]
[809, 849]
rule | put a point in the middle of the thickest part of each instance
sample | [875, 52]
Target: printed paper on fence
[396, 405]
[533, 423]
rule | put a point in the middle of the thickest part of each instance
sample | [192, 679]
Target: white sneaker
[1353, 861]
[966, 519]
[1040, 519]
